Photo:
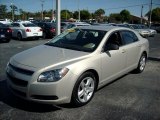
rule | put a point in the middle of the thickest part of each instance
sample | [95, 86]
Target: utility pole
[12, 12]
[142, 14]
[58, 14]
[66, 13]
[52, 9]
[79, 13]
[42, 2]
[150, 15]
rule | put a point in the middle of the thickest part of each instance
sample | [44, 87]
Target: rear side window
[29, 25]
[128, 37]
[15, 25]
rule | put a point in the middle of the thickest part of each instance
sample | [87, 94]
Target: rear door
[132, 47]
[15, 27]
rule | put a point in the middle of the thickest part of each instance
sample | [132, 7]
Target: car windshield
[78, 39]
[144, 27]
[29, 25]
[135, 26]
[51, 25]
[2, 25]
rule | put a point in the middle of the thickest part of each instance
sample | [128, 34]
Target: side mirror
[111, 47]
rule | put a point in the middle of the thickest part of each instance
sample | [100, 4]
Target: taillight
[52, 30]
[9, 30]
[40, 30]
[28, 30]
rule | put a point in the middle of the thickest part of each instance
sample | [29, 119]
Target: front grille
[17, 81]
[20, 70]
[17, 92]
[44, 97]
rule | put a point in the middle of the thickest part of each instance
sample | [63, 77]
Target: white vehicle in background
[152, 32]
[24, 29]
[5, 21]
[141, 31]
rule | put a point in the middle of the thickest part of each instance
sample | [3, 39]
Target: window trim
[123, 38]
[102, 51]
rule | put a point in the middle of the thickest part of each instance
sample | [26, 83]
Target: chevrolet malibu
[74, 64]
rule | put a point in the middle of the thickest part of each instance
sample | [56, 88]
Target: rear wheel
[19, 36]
[142, 63]
[84, 89]
[44, 35]
[7, 40]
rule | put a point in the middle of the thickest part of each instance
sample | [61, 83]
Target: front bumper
[49, 93]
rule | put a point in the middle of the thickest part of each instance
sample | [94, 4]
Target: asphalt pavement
[131, 97]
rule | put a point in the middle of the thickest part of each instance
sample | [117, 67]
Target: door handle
[123, 51]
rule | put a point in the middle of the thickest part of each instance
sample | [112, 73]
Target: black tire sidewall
[75, 101]
[44, 35]
[19, 36]
[138, 68]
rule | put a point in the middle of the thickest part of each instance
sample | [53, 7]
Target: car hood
[43, 56]
[142, 30]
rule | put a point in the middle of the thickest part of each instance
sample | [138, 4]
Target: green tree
[65, 14]
[85, 15]
[114, 17]
[99, 12]
[99, 15]
[125, 16]
[75, 15]
[155, 15]
[3, 11]
[13, 8]
[22, 14]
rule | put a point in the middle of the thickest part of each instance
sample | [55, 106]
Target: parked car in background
[5, 33]
[123, 25]
[6, 21]
[64, 25]
[76, 24]
[71, 66]
[156, 27]
[151, 31]
[22, 30]
[49, 29]
[142, 32]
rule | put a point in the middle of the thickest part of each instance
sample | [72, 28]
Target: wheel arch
[95, 74]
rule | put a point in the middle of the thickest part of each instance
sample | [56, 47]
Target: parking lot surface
[131, 97]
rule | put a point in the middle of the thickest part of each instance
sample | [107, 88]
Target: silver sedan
[71, 66]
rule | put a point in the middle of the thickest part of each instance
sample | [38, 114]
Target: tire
[7, 41]
[44, 35]
[141, 64]
[36, 38]
[84, 89]
[19, 36]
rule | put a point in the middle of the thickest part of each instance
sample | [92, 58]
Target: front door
[113, 61]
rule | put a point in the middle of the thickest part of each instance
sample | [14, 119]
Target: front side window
[128, 37]
[78, 39]
[115, 38]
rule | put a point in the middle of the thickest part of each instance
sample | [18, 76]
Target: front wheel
[84, 89]
[142, 63]
[19, 36]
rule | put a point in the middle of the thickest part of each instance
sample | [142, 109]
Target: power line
[126, 6]
[156, 3]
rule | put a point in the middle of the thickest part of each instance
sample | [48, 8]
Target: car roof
[103, 28]
[80, 23]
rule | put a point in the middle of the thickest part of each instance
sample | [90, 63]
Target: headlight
[53, 75]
